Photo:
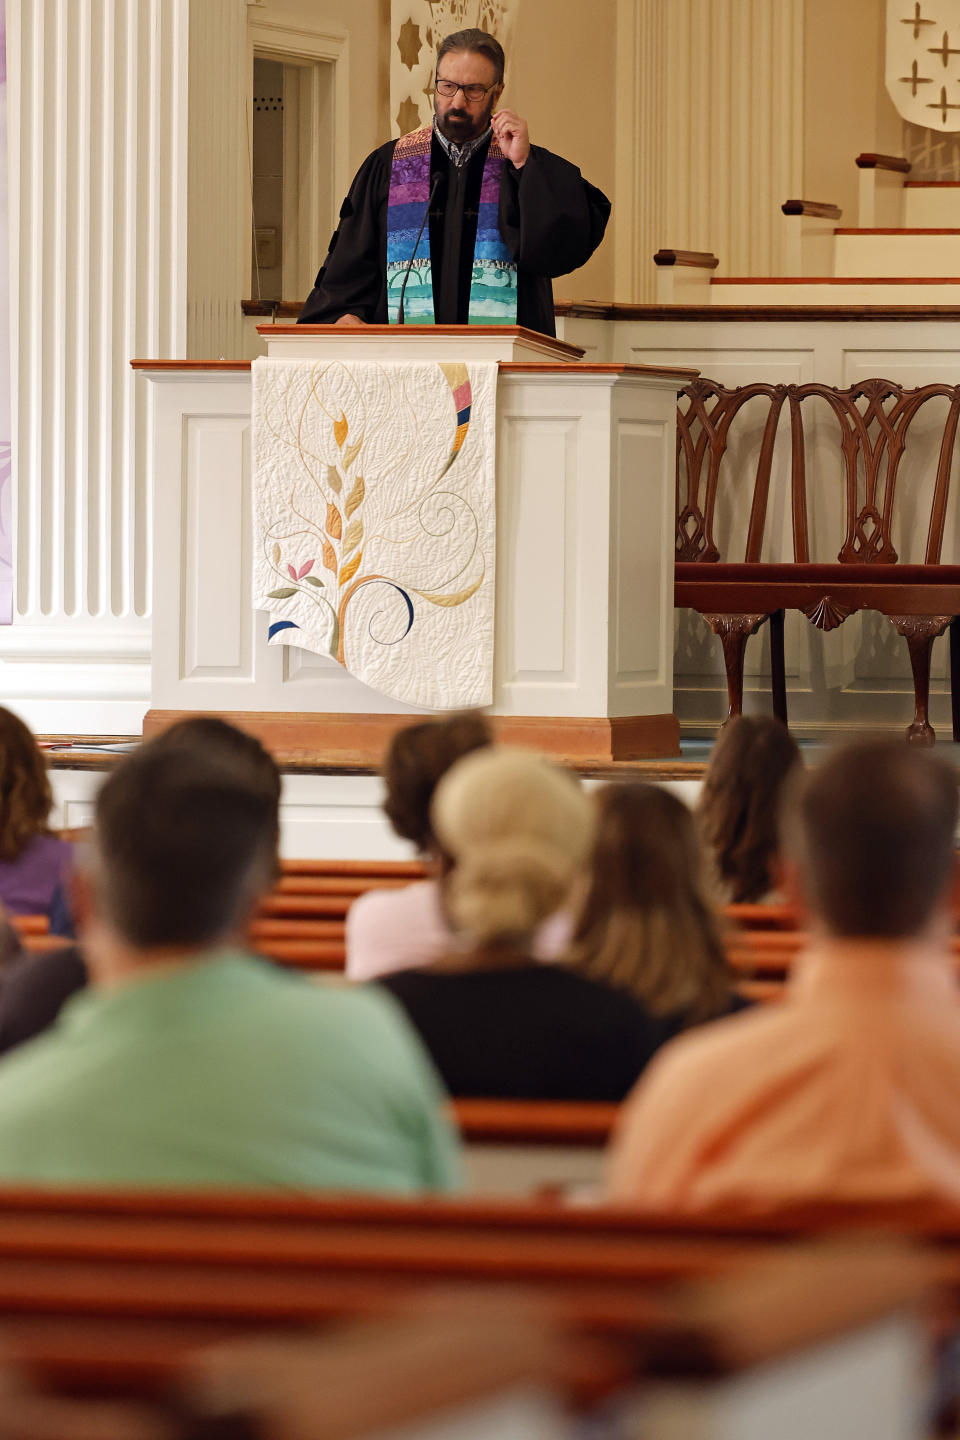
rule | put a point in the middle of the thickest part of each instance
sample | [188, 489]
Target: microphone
[406, 276]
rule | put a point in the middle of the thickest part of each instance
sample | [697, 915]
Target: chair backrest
[875, 418]
[703, 432]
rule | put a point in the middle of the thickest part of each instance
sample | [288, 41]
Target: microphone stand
[406, 276]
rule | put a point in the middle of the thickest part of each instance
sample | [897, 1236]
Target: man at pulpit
[462, 222]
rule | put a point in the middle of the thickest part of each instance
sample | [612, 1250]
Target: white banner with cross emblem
[923, 61]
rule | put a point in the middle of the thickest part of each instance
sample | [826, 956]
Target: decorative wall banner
[375, 520]
[6, 477]
[417, 28]
[923, 61]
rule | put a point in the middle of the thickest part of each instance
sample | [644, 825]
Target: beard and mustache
[460, 125]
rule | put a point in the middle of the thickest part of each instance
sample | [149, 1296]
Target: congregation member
[397, 929]
[739, 806]
[646, 923]
[186, 1061]
[35, 987]
[518, 831]
[34, 862]
[846, 1090]
[390, 930]
[465, 217]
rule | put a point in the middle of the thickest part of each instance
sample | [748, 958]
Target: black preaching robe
[550, 218]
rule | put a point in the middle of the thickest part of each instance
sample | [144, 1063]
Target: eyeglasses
[473, 93]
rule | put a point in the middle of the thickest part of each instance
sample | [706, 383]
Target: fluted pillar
[709, 133]
[98, 194]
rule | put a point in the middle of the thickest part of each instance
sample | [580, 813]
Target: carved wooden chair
[920, 600]
[703, 433]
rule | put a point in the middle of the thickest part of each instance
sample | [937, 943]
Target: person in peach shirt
[849, 1088]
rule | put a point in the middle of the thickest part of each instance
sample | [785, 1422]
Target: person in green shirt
[187, 1062]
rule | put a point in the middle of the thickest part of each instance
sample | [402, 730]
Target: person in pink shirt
[399, 929]
[390, 929]
[849, 1088]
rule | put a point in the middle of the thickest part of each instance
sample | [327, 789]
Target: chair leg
[734, 632]
[920, 631]
[778, 672]
[955, 674]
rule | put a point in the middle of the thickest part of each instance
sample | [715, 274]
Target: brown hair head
[646, 923]
[185, 836]
[25, 795]
[416, 760]
[740, 803]
[477, 42]
[873, 832]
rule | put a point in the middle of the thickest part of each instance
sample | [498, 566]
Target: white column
[709, 133]
[98, 189]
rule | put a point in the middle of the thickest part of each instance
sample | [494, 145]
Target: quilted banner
[375, 520]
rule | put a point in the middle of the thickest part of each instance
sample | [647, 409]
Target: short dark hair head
[186, 835]
[416, 760]
[739, 804]
[477, 42]
[873, 831]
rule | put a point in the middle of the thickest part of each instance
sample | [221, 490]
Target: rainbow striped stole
[493, 285]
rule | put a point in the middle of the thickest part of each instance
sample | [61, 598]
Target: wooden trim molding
[818, 209]
[189, 364]
[869, 161]
[289, 309]
[894, 230]
[697, 259]
[361, 739]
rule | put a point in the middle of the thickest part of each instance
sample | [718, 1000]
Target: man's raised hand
[512, 136]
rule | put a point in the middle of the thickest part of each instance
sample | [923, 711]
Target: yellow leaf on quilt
[334, 523]
[340, 428]
[355, 497]
[329, 557]
[351, 453]
[449, 601]
[353, 536]
[333, 479]
[350, 569]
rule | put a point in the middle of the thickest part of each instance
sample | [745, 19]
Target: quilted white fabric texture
[374, 508]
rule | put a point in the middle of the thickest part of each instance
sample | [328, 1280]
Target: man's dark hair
[477, 42]
[873, 829]
[416, 760]
[186, 835]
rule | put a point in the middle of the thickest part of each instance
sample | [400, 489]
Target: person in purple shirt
[34, 862]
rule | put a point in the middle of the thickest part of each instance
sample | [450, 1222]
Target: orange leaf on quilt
[350, 569]
[340, 428]
[329, 557]
[334, 523]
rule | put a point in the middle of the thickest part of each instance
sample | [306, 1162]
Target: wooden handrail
[818, 209]
[698, 259]
[869, 161]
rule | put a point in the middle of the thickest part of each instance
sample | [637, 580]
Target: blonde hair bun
[518, 830]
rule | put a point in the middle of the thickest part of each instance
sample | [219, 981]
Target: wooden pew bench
[876, 429]
[114, 1293]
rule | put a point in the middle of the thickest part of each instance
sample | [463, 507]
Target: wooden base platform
[360, 739]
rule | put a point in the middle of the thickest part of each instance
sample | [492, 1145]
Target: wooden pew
[107, 1292]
